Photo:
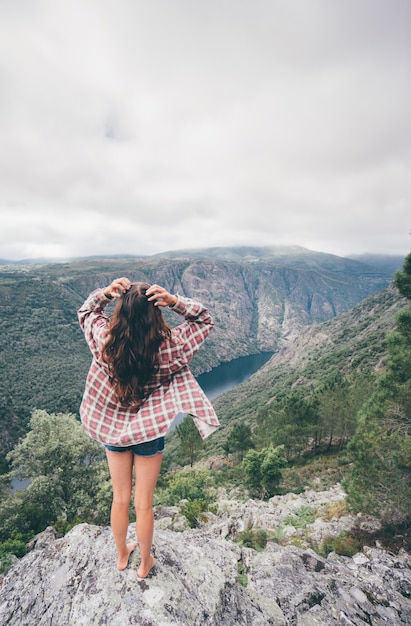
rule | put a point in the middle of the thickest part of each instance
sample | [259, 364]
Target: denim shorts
[147, 448]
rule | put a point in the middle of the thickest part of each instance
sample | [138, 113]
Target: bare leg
[147, 470]
[120, 465]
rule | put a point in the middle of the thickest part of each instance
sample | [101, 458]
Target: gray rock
[73, 581]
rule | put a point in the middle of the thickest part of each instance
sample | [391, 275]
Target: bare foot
[144, 569]
[122, 561]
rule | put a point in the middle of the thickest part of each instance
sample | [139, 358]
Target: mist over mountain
[384, 262]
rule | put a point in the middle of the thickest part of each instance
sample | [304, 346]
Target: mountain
[50, 261]
[261, 299]
[386, 262]
[297, 256]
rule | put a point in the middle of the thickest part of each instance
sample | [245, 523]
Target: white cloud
[139, 126]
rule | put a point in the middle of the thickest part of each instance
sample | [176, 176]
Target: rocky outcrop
[202, 578]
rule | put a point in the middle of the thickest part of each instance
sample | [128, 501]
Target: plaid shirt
[173, 388]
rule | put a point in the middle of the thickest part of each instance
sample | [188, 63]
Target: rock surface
[203, 579]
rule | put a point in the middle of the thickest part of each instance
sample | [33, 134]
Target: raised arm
[188, 337]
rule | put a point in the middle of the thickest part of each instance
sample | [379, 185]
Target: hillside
[353, 341]
[260, 302]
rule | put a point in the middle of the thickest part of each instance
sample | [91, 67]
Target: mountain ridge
[244, 253]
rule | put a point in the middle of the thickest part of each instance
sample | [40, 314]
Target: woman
[139, 380]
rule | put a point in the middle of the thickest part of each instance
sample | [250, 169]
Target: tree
[290, 422]
[380, 479]
[239, 440]
[402, 279]
[66, 471]
[262, 469]
[190, 439]
[339, 401]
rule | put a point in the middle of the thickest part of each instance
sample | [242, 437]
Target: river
[228, 375]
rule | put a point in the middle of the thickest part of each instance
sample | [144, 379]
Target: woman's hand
[117, 288]
[160, 296]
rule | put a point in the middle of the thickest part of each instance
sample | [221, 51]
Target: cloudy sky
[131, 126]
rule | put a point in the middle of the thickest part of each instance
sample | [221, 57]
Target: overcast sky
[137, 127]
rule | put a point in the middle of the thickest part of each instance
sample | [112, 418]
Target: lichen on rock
[73, 581]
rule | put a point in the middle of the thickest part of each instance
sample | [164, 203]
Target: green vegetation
[67, 478]
[319, 420]
[301, 517]
[315, 470]
[187, 484]
[194, 511]
[242, 577]
[192, 490]
[190, 440]
[342, 357]
[255, 538]
[239, 440]
[380, 480]
[343, 544]
[262, 470]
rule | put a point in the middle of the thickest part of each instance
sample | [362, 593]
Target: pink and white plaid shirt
[173, 389]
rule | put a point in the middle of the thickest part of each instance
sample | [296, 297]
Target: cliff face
[202, 578]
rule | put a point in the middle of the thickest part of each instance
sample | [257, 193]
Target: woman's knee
[121, 500]
[143, 503]
[122, 494]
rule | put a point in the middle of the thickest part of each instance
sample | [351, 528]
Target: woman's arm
[92, 318]
[188, 337]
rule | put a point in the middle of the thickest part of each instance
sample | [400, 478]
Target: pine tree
[239, 440]
[380, 480]
[190, 439]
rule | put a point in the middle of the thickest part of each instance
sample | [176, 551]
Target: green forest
[325, 422]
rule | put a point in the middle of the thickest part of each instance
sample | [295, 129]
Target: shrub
[242, 577]
[263, 469]
[255, 539]
[6, 560]
[278, 535]
[184, 485]
[15, 544]
[193, 511]
[343, 544]
[301, 517]
[334, 509]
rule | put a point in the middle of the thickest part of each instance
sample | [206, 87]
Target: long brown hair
[137, 329]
